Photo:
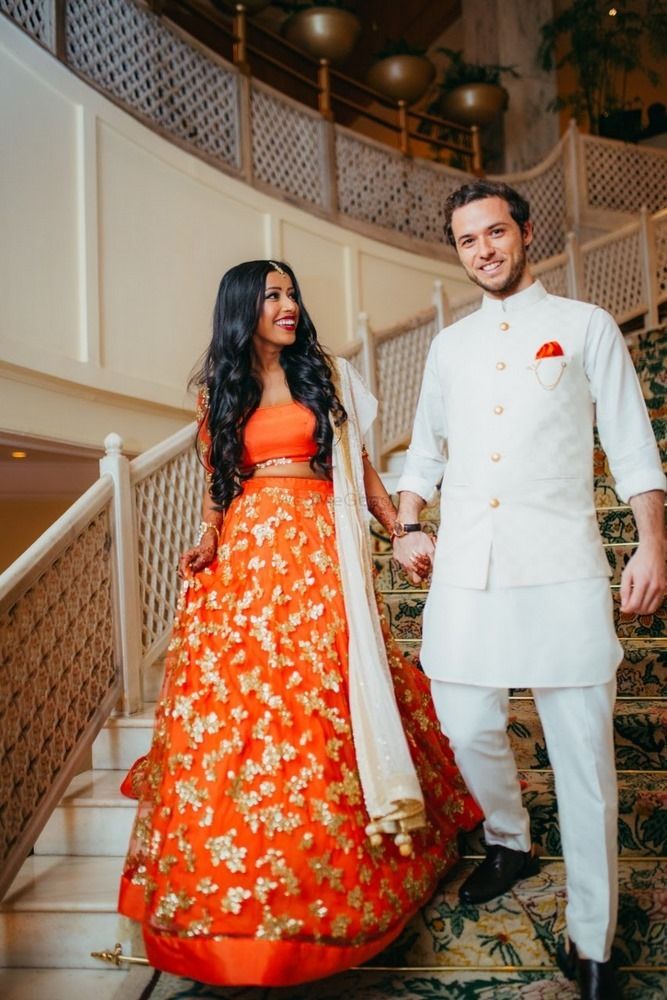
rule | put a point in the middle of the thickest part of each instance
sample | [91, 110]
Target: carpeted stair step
[640, 734]
[642, 825]
[428, 984]
[404, 612]
[522, 927]
[644, 668]
[639, 626]
[643, 672]
[616, 524]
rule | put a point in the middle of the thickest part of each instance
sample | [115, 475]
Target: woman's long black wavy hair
[234, 388]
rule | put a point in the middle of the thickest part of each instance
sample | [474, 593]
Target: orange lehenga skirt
[248, 863]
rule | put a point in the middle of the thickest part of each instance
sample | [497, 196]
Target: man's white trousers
[578, 727]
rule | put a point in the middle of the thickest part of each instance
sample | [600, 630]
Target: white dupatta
[389, 782]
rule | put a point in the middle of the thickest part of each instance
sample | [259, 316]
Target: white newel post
[574, 177]
[365, 335]
[442, 311]
[575, 269]
[649, 267]
[127, 600]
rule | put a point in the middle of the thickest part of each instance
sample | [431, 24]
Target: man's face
[492, 247]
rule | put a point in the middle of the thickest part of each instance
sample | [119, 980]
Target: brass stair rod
[116, 957]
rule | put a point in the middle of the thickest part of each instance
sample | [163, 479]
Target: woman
[281, 833]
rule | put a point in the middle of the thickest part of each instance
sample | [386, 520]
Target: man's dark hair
[476, 191]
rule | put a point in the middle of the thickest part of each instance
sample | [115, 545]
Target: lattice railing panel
[427, 190]
[613, 276]
[400, 361]
[372, 184]
[287, 146]
[546, 194]
[381, 187]
[57, 656]
[168, 505]
[131, 54]
[661, 258]
[623, 177]
[554, 279]
[34, 16]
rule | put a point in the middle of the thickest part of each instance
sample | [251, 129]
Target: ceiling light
[19, 454]
[612, 12]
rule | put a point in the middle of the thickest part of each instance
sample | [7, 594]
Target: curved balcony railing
[169, 81]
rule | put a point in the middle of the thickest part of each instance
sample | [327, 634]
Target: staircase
[62, 905]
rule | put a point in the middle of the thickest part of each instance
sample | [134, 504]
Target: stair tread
[96, 788]
[60, 984]
[50, 883]
[137, 721]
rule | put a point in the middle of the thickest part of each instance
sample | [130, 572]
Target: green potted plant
[401, 71]
[603, 44]
[326, 29]
[470, 93]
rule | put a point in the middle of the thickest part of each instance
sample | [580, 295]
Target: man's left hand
[643, 581]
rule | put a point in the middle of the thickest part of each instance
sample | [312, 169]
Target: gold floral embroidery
[234, 899]
[223, 850]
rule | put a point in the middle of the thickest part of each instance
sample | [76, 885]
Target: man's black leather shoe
[596, 980]
[501, 868]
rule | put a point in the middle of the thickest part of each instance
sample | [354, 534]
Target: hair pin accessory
[279, 269]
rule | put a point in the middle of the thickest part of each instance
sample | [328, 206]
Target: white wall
[113, 244]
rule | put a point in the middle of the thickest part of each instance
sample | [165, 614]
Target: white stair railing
[60, 658]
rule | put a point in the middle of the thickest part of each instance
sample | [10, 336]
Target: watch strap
[400, 529]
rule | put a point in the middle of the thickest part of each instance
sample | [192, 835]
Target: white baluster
[443, 316]
[128, 615]
[649, 267]
[370, 371]
[574, 177]
[575, 271]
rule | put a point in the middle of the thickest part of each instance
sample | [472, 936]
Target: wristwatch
[399, 529]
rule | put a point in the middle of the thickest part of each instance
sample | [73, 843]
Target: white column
[507, 32]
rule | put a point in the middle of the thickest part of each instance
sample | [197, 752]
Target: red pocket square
[551, 349]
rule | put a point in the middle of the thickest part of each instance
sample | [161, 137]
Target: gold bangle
[203, 528]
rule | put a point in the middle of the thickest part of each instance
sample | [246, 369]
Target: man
[520, 592]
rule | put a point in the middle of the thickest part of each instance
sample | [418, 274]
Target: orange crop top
[278, 435]
[274, 435]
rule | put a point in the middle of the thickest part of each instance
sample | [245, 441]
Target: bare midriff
[292, 470]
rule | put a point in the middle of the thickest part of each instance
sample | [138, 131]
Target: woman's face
[279, 315]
